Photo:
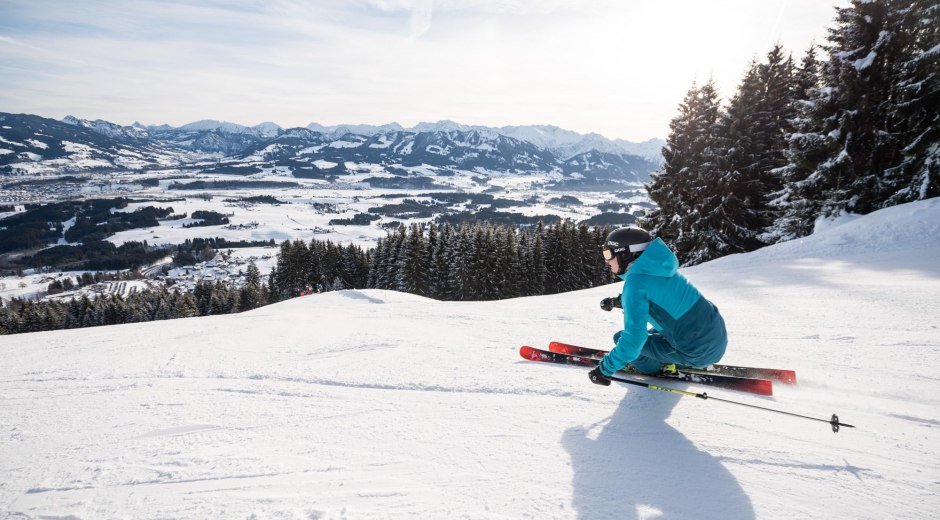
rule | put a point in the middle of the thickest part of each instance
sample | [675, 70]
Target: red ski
[534, 354]
[743, 384]
[787, 377]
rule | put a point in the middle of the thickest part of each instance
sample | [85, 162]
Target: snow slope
[374, 404]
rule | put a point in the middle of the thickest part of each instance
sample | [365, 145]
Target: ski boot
[668, 369]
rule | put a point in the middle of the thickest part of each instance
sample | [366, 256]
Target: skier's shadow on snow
[636, 465]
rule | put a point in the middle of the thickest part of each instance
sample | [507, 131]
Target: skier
[687, 328]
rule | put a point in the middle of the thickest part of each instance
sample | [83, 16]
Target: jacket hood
[656, 260]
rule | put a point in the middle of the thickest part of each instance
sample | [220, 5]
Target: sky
[615, 67]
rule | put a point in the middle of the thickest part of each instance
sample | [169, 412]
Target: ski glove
[609, 303]
[598, 378]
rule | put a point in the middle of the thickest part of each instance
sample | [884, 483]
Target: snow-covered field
[35, 286]
[299, 218]
[32, 284]
[296, 219]
[374, 404]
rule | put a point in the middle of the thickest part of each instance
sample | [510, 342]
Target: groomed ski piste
[376, 404]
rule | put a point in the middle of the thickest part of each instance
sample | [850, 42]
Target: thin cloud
[421, 18]
[16, 43]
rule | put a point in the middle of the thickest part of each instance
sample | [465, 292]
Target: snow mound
[905, 233]
[907, 227]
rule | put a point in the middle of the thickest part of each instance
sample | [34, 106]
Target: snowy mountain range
[28, 143]
[38, 145]
[561, 142]
[379, 404]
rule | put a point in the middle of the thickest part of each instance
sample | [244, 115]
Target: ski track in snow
[374, 404]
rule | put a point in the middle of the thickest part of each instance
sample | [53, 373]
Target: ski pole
[834, 421]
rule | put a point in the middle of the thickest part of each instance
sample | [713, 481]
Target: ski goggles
[609, 253]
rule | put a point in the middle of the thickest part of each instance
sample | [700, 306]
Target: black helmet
[625, 244]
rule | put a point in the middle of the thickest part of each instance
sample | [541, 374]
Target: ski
[787, 377]
[743, 384]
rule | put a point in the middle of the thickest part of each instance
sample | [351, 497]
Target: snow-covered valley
[375, 404]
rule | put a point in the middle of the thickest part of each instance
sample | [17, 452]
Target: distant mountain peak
[107, 128]
[213, 125]
[440, 126]
[268, 129]
[367, 130]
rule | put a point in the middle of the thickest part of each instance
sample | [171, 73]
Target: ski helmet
[625, 244]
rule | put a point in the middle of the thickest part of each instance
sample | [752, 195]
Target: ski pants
[656, 351]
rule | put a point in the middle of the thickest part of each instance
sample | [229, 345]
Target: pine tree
[432, 244]
[217, 304]
[330, 261]
[304, 265]
[495, 263]
[459, 258]
[186, 306]
[273, 296]
[744, 167]
[95, 316]
[475, 284]
[862, 66]
[536, 256]
[51, 317]
[232, 301]
[684, 187]
[203, 295]
[510, 263]
[916, 118]
[799, 200]
[284, 271]
[868, 71]
[73, 314]
[667, 186]
[250, 296]
[396, 242]
[487, 265]
[805, 77]
[377, 267]
[729, 210]
[32, 320]
[12, 318]
[561, 258]
[321, 259]
[777, 110]
[164, 309]
[353, 267]
[438, 270]
[413, 263]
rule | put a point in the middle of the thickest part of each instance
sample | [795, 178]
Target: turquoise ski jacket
[656, 293]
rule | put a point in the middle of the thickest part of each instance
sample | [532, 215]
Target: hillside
[373, 404]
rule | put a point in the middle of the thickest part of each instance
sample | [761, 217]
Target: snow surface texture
[375, 404]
